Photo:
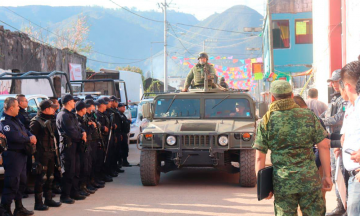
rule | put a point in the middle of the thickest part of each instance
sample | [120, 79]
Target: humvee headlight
[246, 136]
[223, 140]
[171, 140]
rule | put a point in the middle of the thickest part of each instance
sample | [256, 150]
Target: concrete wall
[18, 51]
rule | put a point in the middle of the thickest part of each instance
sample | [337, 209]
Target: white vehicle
[137, 120]
[33, 106]
[134, 84]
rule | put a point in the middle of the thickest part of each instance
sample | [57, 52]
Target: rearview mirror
[263, 108]
[146, 110]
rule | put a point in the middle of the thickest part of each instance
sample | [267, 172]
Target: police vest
[46, 139]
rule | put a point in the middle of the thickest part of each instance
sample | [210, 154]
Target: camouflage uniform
[197, 74]
[290, 135]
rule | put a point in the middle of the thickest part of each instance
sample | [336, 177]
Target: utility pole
[164, 6]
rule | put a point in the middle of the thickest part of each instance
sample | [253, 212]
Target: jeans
[353, 203]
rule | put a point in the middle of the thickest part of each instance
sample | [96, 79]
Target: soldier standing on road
[198, 72]
[84, 148]
[25, 119]
[125, 126]
[111, 141]
[223, 83]
[18, 140]
[70, 135]
[43, 126]
[96, 147]
[57, 176]
[290, 133]
[117, 148]
[104, 121]
[333, 120]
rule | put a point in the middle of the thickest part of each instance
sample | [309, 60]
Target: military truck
[201, 128]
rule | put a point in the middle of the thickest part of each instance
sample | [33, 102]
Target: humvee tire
[247, 168]
[149, 168]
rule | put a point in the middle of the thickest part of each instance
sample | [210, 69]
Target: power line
[62, 36]
[158, 21]
[180, 41]
[119, 63]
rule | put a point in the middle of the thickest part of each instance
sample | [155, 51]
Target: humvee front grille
[196, 140]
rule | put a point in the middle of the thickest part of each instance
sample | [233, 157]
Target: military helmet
[222, 79]
[203, 55]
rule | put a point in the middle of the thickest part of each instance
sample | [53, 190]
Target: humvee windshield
[177, 108]
[215, 108]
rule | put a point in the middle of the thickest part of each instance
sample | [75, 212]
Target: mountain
[127, 38]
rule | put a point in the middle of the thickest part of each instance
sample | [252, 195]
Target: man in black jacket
[43, 126]
[125, 126]
[84, 148]
[70, 136]
[104, 121]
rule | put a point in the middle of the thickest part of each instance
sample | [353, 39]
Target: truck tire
[149, 168]
[247, 168]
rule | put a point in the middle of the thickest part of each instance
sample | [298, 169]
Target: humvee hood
[199, 126]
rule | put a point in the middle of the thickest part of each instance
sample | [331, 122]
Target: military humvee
[210, 128]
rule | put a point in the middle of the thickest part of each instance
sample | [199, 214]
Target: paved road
[186, 192]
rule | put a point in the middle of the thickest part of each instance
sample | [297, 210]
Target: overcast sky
[200, 8]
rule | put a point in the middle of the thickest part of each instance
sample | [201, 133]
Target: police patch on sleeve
[6, 128]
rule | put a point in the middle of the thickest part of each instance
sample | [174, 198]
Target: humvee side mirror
[263, 108]
[141, 117]
[146, 108]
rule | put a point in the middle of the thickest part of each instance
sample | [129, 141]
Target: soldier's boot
[67, 200]
[20, 210]
[83, 191]
[56, 189]
[119, 170]
[49, 201]
[7, 209]
[77, 196]
[91, 187]
[84, 187]
[39, 205]
[338, 211]
[98, 184]
[126, 163]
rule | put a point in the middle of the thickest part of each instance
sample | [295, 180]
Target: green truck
[201, 128]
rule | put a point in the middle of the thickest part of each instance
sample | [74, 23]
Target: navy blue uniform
[125, 129]
[70, 137]
[14, 158]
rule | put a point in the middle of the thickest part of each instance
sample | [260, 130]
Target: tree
[74, 36]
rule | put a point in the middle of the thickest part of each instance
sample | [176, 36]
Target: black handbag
[265, 182]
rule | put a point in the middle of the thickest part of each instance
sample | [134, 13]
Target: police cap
[80, 105]
[66, 98]
[101, 101]
[280, 87]
[113, 98]
[90, 102]
[47, 104]
[121, 105]
[106, 99]
[89, 97]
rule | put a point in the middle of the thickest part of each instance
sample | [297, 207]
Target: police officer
[125, 129]
[43, 126]
[290, 132]
[25, 119]
[96, 145]
[223, 83]
[84, 149]
[70, 136]
[57, 176]
[117, 163]
[333, 119]
[19, 141]
[109, 156]
[197, 74]
[104, 123]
